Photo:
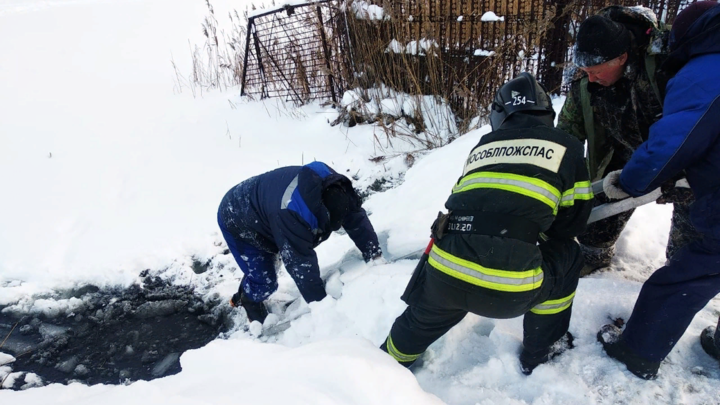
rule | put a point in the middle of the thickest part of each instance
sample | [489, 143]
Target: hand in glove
[373, 254]
[235, 300]
[675, 193]
[611, 186]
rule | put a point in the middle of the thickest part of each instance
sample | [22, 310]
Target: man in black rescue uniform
[506, 247]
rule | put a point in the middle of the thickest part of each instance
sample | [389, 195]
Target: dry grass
[217, 63]
[1, 345]
[8, 335]
[418, 48]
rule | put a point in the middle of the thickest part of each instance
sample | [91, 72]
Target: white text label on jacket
[538, 152]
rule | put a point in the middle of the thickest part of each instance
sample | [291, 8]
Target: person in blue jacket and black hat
[288, 212]
[684, 142]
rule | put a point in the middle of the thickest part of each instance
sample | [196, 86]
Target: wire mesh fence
[295, 53]
[460, 50]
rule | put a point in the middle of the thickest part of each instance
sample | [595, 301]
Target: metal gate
[288, 53]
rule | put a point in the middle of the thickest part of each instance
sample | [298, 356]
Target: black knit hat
[599, 40]
[337, 203]
[685, 20]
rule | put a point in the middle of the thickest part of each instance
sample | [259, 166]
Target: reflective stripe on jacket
[476, 274]
[523, 170]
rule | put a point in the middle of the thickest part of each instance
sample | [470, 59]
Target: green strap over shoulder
[651, 56]
[587, 108]
[650, 66]
[594, 140]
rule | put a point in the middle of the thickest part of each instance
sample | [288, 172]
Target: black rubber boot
[255, 311]
[709, 342]
[611, 338]
[596, 259]
[530, 360]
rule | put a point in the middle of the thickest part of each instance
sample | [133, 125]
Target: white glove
[611, 186]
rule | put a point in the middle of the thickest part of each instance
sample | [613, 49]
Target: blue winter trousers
[260, 279]
[671, 297]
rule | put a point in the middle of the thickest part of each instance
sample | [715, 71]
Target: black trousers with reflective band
[437, 302]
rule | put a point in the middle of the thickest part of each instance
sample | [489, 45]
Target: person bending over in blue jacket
[686, 140]
[288, 212]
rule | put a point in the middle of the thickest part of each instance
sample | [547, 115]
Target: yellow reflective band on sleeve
[398, 355]
[554, 306]
[473, 273]
[582, 190]
[524, 185]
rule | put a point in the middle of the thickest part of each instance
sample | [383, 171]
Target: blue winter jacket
[281, 211]
[687, 137]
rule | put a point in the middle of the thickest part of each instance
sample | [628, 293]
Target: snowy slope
[108, 170]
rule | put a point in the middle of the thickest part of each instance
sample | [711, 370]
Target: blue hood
[701, 38]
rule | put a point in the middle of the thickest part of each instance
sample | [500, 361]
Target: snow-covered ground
[106, 170]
